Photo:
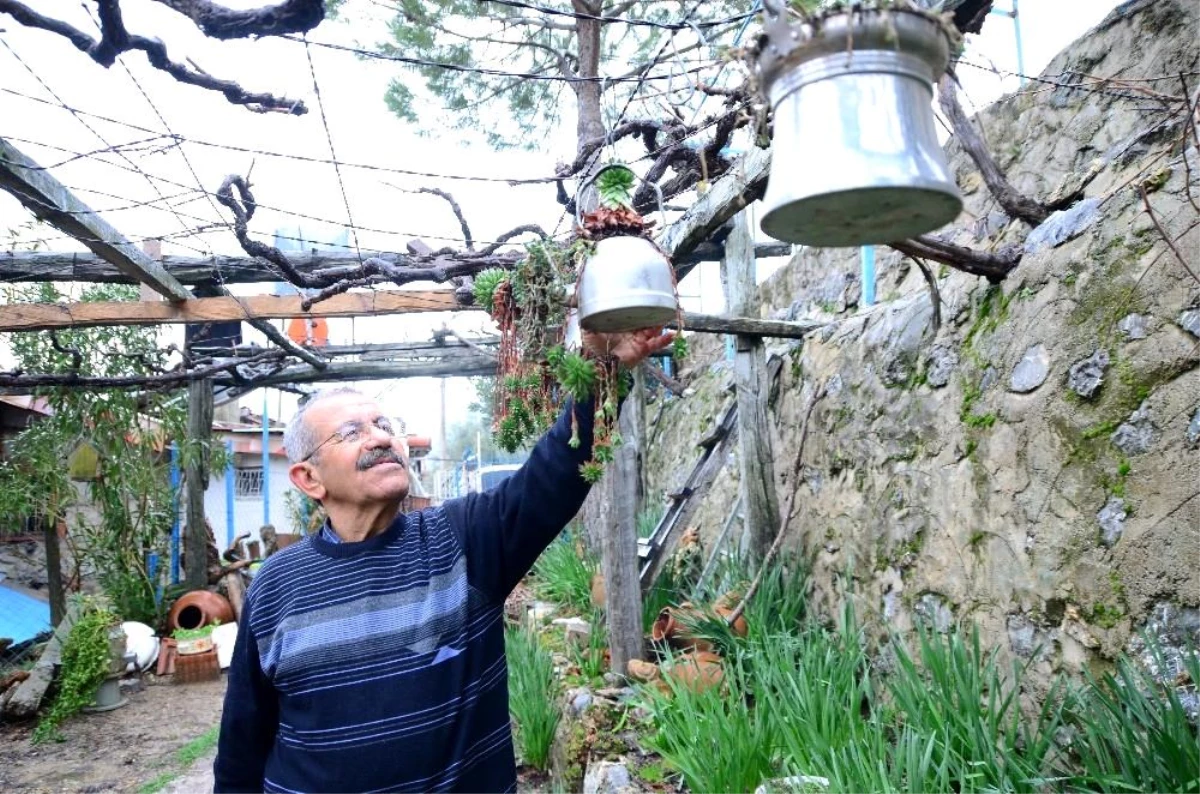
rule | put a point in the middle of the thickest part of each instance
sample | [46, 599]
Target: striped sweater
[379, 665]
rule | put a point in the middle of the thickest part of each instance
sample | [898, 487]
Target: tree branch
[17, 380]
[995, 267]
[218, 22]
[115, 39]
[458, 213]
[1014, 203]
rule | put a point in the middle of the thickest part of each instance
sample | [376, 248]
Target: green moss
[979, 420]
[972, 445]
[976, 540]
[1106, 616]
[991, 311]
[1155, 181]
[653, 772]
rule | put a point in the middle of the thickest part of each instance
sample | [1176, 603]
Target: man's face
[358, 462]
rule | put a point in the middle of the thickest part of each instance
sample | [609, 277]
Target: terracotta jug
[199, 608]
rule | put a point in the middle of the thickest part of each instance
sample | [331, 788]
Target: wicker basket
[195, 667]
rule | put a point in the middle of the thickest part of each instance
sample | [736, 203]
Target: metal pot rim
[913, 32]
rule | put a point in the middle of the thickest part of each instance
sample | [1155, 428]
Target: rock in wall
[1032, 465]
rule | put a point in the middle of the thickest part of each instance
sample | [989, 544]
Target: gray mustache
[374, 456]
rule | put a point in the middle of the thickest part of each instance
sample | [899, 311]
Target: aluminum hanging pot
[855, 155]
[627, 283]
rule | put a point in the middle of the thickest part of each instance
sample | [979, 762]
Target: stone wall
[1032, 465]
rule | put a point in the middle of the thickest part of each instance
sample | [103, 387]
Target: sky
[152, 189]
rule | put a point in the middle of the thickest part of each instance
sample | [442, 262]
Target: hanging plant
[87, 659]
[631, 286]
[855, 160]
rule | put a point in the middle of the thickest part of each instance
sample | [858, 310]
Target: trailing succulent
[536, 371]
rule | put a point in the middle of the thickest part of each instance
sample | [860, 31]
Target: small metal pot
[626, 284]
[855, 155]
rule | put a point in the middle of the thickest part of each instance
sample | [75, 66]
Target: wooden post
[754, 440]
[54, 578]
[200, 413]
[619, 492]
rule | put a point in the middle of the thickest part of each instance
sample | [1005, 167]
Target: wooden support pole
[619, 496]
[54, 577]
[200, 415]
[49, 200]
[757, 484]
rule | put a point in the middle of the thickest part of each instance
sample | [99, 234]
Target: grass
[947, 717]
[184, 757]
[532, 696]
[563, 576]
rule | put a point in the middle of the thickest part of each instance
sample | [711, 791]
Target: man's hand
[630, 347]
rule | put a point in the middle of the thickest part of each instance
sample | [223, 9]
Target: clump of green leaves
[86, 658]
[532, 695]
[563, 574]
[195, 634]
[576, 374]
[615, 186]
[485, 286]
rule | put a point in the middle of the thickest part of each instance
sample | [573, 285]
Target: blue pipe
[1020, 51]
[230, 494]
[152, 575]
[867, 254]
[174, 514]
[266, 463]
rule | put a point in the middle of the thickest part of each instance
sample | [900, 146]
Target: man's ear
[305, 477]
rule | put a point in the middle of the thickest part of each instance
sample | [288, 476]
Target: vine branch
[115, 39]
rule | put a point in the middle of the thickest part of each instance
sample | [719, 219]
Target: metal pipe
[174, 514]
[230, 493]
[867, 254]
[266, 462]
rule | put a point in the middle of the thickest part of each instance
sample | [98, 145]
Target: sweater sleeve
[505, 529]
[250, 718]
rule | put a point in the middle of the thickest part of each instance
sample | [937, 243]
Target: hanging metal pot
[627, 283]
[855, 155]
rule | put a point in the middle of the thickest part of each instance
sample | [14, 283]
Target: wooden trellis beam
[49, 199]
[35, 266]
[44, 316]
[374, 370]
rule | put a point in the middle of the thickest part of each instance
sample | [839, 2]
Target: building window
[249, 482]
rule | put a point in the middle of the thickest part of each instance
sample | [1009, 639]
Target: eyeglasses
[351, 432]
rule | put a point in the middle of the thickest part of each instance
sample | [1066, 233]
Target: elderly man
[371, 655]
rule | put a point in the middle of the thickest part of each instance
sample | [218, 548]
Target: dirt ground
[126, 750]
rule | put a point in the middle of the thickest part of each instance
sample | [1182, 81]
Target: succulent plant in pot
[855, 155]
[627, 282]
[540, 361]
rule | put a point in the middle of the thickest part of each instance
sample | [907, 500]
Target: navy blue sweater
[379, 665]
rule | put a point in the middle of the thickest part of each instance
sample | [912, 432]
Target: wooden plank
[49, 200]
[25, 702]
[42, 316]
[729, 195]
[718, 324]
[757, 483]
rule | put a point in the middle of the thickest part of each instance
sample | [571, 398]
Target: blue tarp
[21, 617]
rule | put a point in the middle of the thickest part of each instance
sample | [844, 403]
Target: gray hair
[299, 439]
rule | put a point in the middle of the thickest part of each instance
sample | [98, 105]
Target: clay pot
[199, 608]
[698, 671]
[668, 627]
[640, 670]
